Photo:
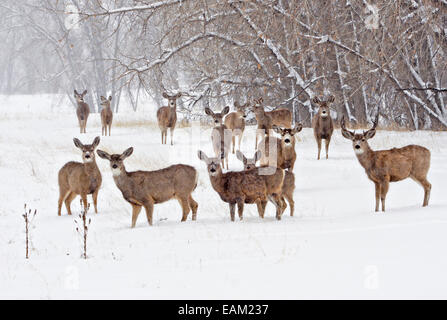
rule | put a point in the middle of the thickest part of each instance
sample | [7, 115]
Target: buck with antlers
[235, 121]
[385, 166]
[167, 116]
[322, 123]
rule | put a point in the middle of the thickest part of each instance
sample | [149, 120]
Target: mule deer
[322, 123]
[281, 117]
[288, 186]
[263, 119]
[220, 135]
[106, 115]
[82, 111]
[167, 116]
[77, 178]
[285, 148]
[385, 166]
[146, 188]
[244, 187]
[235, 121]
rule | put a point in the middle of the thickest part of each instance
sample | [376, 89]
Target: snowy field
[336, 246]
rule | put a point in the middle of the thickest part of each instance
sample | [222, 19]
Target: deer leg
[110, 129]
[289, 198]
[427, 190]
[232, 208]
[226, 160]
[327, 141]
[378, 192]
[233, 142]
[185, 208]
[384, 190]
[102, 130]
[240, 208]
[135, 212]
[276, 200]
[95, 200]
[193, 205]
[63, 194]
[319, 148]
[84, 201]
[172, 134]
[68, 201]
[149, 207]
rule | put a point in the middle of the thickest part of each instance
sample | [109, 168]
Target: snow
[336, 246]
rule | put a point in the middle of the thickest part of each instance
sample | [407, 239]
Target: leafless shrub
[82, 227]
[28, 216]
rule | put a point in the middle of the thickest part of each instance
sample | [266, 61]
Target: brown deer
[167, 116]
[82, 111]
[285, 148]
[385, 166]
[322, 123]
[281, 117]
[146, 188]
[77, 178]
[263, 119]
[220, 136]
[235, 121]
[288, 186]
[106, 115]
[245, 187]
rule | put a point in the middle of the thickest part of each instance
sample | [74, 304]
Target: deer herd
[272, 181]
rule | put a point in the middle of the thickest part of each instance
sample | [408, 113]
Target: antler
[343, 128]
[376, 121]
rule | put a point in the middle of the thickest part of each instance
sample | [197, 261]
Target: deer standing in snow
[82, 111]
[322, 123]
[167, 117]
[385, 166]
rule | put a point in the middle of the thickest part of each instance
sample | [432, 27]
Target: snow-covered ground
[336, 246]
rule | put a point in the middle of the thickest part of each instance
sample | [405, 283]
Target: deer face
[106, 102]
[288, 135]
[79, 97]
[116, 160]
[217, 117]
[249, 164]
[359, 140]
[213, 164]
[172, 100]
[241, 109]
[324, 106]
[88, 150]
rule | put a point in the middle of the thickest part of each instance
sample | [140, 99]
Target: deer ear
[202, 156]
[209, 112]
[78, 143]
[261, 100]
[84, 93]
[298, 128]
[102, 98]
[258, 155]
[236, 104]
[96, 142]
[331, 99]
[126, 153]
[110, 98]
[75, 92]
[316, 100]
[178, 95]
[241, 156]
[103, 154]
[370, 134]
[276, 129]
[225, 110]
[165, 95]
